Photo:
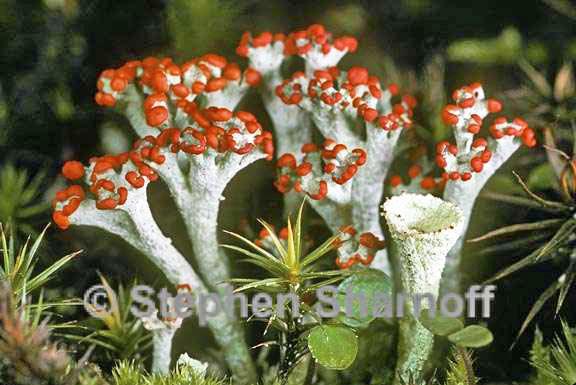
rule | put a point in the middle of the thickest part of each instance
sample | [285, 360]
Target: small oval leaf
[473, 336]
[372, 286]
[440, 326]
[334, 347]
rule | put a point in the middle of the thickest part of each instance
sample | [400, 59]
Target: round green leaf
[334, 347]
[440, 326]
[473, 336]
[371, 284]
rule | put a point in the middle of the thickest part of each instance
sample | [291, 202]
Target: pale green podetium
[422, 229]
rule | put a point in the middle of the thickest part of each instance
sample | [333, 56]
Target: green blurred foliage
[20, 201]
[3, 127]
[564, 7]
[543, 177]
[202, 26]
[130, 373]
[554, 364]
[349, 18]
[117, 335]
[504, 49]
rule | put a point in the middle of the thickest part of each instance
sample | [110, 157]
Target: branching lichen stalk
[195, 150]
[136, 225]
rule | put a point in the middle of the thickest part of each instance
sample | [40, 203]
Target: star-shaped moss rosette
[293, 270]
[352, 248]
[283, 256]
[266, 239]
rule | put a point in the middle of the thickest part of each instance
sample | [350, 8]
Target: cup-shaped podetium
[422, 229]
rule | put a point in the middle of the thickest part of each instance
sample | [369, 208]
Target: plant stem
[465, 357]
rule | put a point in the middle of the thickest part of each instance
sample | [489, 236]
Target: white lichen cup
[422, 230]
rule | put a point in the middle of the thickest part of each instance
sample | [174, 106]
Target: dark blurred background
[52, 51]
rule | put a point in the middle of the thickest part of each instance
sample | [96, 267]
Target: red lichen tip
[396, 180]
[516, 128]
[470, 108]
[414, 171]
[357, 75]
[262, 40]
[112, 177]
[417, 178]
[428, 183]
[65, 203]
[290, 91]
[316, 39]
[168, 87]
[252, 77]
[450, 114]
[265, 241]
[61, 220]
[73, 170]
[354, 248]
[340, 163]
[321, 192]
[332, 160]
[494, 105]
[286, 160]
[222, 130]
[352, 91]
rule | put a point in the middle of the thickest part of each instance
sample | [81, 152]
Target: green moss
[129, 373]
[555, 364]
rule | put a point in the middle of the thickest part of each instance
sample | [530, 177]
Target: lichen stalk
[195, 150]
[464, 195]
[368, 188]
[468, 163]
[422, 228]
[292, 125]
[472, 161]
[351, 109]
[135, 224]
[162, 350]
[201, 221]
